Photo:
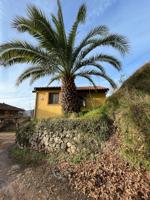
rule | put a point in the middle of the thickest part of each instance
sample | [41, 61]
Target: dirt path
[6, 140]
[31, 183]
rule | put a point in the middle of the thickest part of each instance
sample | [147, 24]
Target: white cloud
[100, 6]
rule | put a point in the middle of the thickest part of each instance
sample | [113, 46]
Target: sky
[130, 18]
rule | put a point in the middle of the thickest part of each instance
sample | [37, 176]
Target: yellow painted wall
[45, 110]
[94, 100]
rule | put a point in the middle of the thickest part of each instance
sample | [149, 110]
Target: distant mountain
[29, 113]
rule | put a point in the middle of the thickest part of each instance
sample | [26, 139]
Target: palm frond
[61, 27]
[37, 76]
[79, 19]
[98, 66]
[54, 78]
[99, 58]
[38, 26]
[23, 52]
[98, 31]
[13, 60]
[28, 73]
[97, 73]
[112, 83]
[88, 78]
[116, 41]
[23, 24]
[87, 72]
[92, 64]
[35, 72]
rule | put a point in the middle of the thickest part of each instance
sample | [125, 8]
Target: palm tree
[57, 55]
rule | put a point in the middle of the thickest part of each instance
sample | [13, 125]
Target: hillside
[129, 107]
[136, 85]
[139, 81]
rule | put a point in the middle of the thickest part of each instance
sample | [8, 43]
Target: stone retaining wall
[69, 141]
[66, 135]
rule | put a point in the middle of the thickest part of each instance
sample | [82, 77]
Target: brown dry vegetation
[109, 177]
[129, 107]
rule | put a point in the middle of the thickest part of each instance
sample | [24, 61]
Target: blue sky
[130, 18]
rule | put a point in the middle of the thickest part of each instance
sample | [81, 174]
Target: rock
[76, 139]
[63, 146]
[69, 144]
[79, 136]
[15, 167]
[46, 143]
[67, 135]
[69, 150]
[57, 146]
[56, 139]
[48, 149]
[73, 149]
[51, 139]
[53, 145]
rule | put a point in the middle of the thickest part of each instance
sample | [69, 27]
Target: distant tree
[57, 54]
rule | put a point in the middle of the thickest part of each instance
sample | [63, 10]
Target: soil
[106, 178]
[6, 141]
[31, 183]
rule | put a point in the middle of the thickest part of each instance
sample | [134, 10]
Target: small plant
[27, 157]
[52, 159]
[77, 158]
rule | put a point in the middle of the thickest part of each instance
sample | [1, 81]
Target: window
[82, 101]
[53, 98]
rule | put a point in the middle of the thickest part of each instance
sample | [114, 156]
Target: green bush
[97, 113]
[24, 133]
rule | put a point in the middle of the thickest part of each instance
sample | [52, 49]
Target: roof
[85, 88]
[4, 106]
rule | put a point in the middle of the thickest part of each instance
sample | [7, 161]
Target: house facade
[9, 116]
[48, 100]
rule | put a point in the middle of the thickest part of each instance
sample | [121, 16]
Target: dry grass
[129, 107]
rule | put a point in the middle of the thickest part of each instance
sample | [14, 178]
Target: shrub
[133, 121]
[24, 133]
[97, 113]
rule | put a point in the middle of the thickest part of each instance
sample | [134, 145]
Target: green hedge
[24, 133]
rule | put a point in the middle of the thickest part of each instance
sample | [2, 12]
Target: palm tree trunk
[69, 95]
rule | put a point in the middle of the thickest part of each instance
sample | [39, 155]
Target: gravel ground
[106, 178]
[41, 183]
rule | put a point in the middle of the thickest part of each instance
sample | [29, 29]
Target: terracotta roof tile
[83, 88]
[92, 88]
[4, 106]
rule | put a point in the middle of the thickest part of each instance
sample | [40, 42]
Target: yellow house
[48, 100]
